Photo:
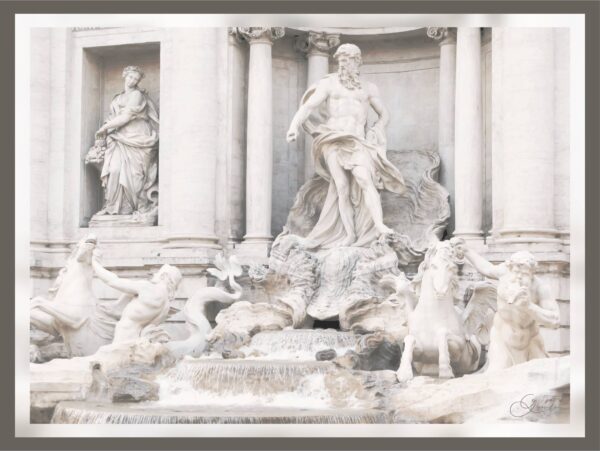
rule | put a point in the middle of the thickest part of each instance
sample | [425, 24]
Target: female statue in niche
[130, 140]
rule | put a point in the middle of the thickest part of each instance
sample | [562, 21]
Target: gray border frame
[590, 8]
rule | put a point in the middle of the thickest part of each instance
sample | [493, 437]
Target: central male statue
[348, 154]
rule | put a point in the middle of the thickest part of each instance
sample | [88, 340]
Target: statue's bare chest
[342, 95]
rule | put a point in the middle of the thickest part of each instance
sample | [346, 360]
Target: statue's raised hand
[102, 132]
[292, 135]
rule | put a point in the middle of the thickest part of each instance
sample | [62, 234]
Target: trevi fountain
[367, 307]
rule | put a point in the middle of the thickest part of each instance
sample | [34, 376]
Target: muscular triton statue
[349, 154]
[524, 303]
[146, 302]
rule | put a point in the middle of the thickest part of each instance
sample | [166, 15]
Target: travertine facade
[492, 102]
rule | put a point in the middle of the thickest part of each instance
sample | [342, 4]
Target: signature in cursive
[530, 404]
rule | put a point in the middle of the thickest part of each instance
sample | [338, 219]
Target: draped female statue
[129, 143]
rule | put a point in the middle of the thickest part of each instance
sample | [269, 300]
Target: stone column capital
[254, 35]
[317, 43]
[444, 35]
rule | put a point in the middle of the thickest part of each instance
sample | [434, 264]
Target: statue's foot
[446, 372]
[384, 230]
[404, 373]
[349, 241]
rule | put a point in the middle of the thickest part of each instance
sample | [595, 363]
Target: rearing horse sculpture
[438, 332]
[71, 310]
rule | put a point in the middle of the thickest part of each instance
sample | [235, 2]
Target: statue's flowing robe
[350, 151]
[130, 170]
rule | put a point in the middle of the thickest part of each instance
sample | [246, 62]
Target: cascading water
[300, 344]
[281, 386]
[86, 413]
[243, 376]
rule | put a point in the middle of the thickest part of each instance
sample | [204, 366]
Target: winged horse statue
[440, 330]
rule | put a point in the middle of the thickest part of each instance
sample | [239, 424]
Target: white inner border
[576, 24]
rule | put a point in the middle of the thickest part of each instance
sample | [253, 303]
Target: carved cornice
[444, 35]
[317, 43]
[257, 34]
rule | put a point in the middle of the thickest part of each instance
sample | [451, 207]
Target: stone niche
[102, 80]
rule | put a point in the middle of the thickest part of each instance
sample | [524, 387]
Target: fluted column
[468, 146]
[447, 84]
[317, 47]
[189, 144]
[526, 102]
[259, 138]
[236, 166]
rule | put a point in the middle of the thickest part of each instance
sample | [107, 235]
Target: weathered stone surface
[238, 323]
[133, 389]
[53, 351]
[485, 397]
[72, 379]
[373, 352]
[232, 354]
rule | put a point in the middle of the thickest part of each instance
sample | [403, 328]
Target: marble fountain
[363, 314]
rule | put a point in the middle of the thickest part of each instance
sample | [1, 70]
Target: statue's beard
[349, 77]
[514, 287]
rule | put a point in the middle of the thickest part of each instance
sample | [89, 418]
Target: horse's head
[85, 248]
[441, 268]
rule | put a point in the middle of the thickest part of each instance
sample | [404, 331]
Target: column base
[254, 246]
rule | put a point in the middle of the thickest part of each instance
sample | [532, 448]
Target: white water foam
[310, 393]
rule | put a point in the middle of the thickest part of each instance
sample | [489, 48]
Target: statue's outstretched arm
[483, 266]
[479, 263]
[547, 312]
[114, 281]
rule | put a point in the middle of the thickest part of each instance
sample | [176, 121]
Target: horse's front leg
[445, 370]
[405, 371]
[43, 321]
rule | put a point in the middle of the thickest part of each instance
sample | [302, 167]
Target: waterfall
[280, 382]
[69, 412]
[257, 377]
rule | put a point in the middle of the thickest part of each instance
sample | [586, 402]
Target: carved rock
[238, 323]
[486, 397]
[326, 354]
[373, 352]
[73, 379]
[133, 389]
